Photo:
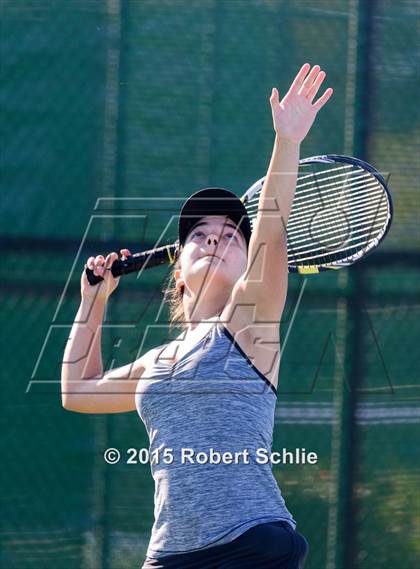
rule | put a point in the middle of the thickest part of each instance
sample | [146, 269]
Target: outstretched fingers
[274, 98]
[299, 79]
[294, 115]
[319, 103]
[313, 90]
[307, 84]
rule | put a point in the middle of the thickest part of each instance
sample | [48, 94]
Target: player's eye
[230, 235]
[197, 233]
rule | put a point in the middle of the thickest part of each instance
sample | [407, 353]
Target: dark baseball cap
[213, 201]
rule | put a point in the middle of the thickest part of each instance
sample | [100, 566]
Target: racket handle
[92, 278]
[132, 264]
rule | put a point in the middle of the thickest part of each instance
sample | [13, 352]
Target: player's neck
[202, 314]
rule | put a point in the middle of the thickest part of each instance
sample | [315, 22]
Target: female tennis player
[207, 399]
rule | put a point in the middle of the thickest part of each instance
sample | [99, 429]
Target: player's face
[215, 251]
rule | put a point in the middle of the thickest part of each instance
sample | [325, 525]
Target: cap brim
[213, 201]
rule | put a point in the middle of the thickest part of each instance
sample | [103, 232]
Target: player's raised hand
[294, 115]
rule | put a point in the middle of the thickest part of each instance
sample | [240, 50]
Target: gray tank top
[212, 398]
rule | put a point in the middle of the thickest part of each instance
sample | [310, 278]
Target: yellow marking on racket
[171, 257]
[310, 269]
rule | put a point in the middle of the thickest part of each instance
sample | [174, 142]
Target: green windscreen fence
[113, 112]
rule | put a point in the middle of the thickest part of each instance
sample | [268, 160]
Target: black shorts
[274, 545]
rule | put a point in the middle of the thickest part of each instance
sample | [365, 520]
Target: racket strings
[317, 197]
[333, 195]
[337, 212]
[325, 196]
[325, 170]
[311, 254]
[307, 187]
[301, 216]
[340, 232]
[363, 210]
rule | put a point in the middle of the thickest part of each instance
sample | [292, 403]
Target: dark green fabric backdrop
[115, 111]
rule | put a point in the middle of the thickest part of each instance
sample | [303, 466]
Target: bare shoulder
[149, 358]
[150, 354]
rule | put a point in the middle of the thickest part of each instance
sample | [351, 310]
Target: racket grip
[92, 278]
[134, 263]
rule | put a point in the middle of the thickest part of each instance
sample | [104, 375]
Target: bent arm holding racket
[85, 387]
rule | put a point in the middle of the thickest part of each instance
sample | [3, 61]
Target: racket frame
[348, 261]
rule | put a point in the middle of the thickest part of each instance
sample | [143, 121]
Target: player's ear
[179, 279]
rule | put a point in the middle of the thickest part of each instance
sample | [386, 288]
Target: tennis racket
[341, 212]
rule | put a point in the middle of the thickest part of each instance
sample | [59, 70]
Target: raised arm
[264, 284]
[292, 119]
